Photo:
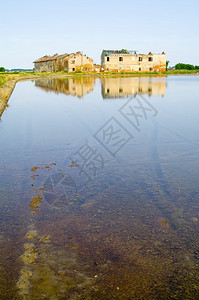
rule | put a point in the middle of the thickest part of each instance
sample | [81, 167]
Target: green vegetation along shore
[8, 80]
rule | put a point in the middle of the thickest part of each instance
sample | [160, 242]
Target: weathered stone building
[65, 62]
[129, 61]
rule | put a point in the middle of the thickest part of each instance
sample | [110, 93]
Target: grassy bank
[9, 79]
[7, 84]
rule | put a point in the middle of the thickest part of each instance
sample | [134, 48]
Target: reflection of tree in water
[69, 86]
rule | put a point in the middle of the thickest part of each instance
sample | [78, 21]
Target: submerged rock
[32, 234]
[30, 255]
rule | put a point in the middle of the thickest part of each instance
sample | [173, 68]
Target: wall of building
[46, 66]
[133, 62]
[68, 63]
[78, 62]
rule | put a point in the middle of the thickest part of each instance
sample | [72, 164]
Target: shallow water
[99, 189]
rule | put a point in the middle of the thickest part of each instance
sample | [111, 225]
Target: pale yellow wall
[77, 61]
[131, 62]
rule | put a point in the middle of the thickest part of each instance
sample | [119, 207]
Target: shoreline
[7, 88]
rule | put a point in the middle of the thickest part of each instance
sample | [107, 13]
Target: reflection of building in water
[124, 87]
[70, 86]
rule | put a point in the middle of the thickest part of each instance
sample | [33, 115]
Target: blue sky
[31, 29]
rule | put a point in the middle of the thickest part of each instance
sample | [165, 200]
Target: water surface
[99, 189]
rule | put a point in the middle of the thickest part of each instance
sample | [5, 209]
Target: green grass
[2, 79]
[179, 72]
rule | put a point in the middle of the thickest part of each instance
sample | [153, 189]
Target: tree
[2, 69]
[181, 66]
[167, 63]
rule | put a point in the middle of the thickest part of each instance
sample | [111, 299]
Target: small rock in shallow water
[29, 256]
[27, 273]
[29, 246]
[61, 273]
[32, 234]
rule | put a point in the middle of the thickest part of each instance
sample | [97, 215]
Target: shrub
[182, 66]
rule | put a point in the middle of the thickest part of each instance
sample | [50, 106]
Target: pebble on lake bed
[29, 246]
[195, 219]
[29, 256]
[32, 234]
[26, 273]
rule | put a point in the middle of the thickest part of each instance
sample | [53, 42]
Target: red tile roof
[50, 58]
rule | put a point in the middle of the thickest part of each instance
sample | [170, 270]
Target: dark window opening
[140, 69]
[140, 58]
[120, 58]
[107, 58]
[150, 58]
[107, 91]
[150, 69]
[120, 90]
[73, 69]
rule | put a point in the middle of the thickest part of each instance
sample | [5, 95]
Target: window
[108, 58]
[140, 69]
[120, 58]
[120, 90]
[150, 69]
[150, 58]
[140, 58]
[73, 69]
[107, 91]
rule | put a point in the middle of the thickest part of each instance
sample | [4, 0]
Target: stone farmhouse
[65, 62]
[129, 61]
